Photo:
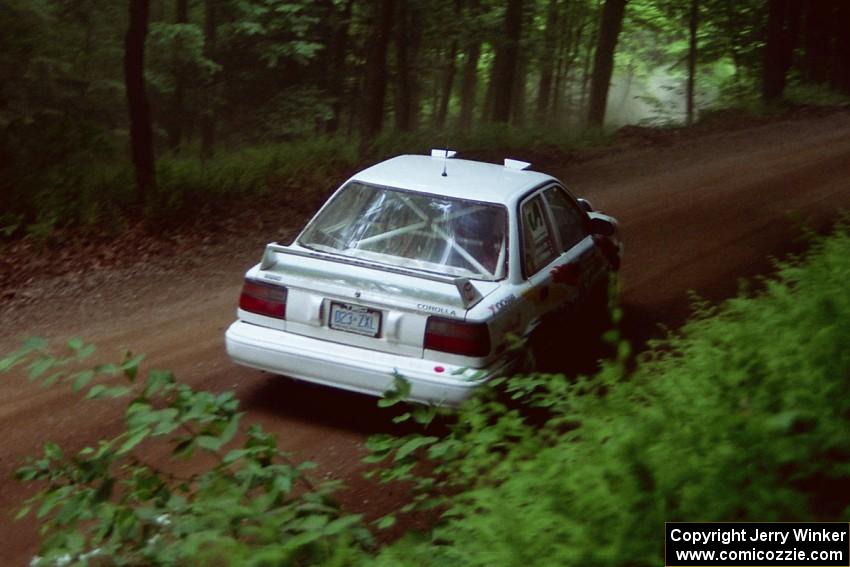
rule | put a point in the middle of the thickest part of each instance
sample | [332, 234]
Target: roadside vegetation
[740, 415]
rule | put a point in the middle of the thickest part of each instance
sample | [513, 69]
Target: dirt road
[697, 214]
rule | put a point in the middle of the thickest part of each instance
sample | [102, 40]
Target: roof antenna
[445, 161]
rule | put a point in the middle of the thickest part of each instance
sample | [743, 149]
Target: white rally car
[423, 267]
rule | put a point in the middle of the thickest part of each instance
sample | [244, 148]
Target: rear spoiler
[468, 293]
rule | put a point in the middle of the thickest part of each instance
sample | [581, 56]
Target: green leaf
[108, 369]
[52, 451]
[424, 415]
[374, 458]
[208, 442]
[133, 440]
[10, 361]
[282, 483]
[380, 442]
[23, 511]
[130, 366]
[412, 445]
[157, 380]
[53, 378]
[234, 455]
[167, 419]
[85, 352]
[387, 521]
[81, 380]
[51, 499]
[399, 392]
[41, 366]
[230, 430]
[342, 524]
[115, 392]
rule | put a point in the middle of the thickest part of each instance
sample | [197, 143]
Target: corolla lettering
[436, 309]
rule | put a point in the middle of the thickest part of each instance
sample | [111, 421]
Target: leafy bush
[248, 505]
[741, 416]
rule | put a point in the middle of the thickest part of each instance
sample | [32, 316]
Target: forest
[124, 122]
[141, 108]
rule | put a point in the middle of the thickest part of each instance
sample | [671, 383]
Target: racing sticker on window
[538, 239]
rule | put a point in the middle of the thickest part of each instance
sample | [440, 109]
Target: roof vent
[443, 154]
[516, 164]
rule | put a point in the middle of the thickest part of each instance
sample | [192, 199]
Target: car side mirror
[602, 227]
[585, 204]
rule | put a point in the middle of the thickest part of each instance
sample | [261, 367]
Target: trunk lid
[353, 302]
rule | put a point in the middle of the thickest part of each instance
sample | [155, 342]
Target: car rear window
[415, 230]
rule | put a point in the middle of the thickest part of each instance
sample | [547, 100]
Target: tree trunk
[735, 44]
[448, 83]
[590, 50]
[518, 99]
[209, 115]
[449, 73]
[575, 22]
[603, 61]
[141, 133]
[841, 36]
[469, 82]
[817, 41]
[375, 81]
[692, 60]
[782, 25]
[176, 124]
[505, 62]
[339, 47]
[548, 61]
[406, 51]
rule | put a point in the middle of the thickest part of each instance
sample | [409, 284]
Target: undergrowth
[94, 196]
[740, 416]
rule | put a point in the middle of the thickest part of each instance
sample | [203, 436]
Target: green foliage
[177, 51]
[252, 506]
[802, 93]
[739, 417]
[282, 28]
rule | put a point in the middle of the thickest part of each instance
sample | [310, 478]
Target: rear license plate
[355, 319]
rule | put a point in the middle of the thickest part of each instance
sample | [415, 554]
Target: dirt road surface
[697, 212]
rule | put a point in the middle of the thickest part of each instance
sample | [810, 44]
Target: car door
[560, 261]
[542, 262]
[582, 265]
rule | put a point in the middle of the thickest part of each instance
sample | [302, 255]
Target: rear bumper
[352, 368]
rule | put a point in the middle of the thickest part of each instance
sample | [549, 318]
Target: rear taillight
[457, 337]
[263, 299]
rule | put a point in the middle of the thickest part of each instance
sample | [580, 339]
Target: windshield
[413, 230]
